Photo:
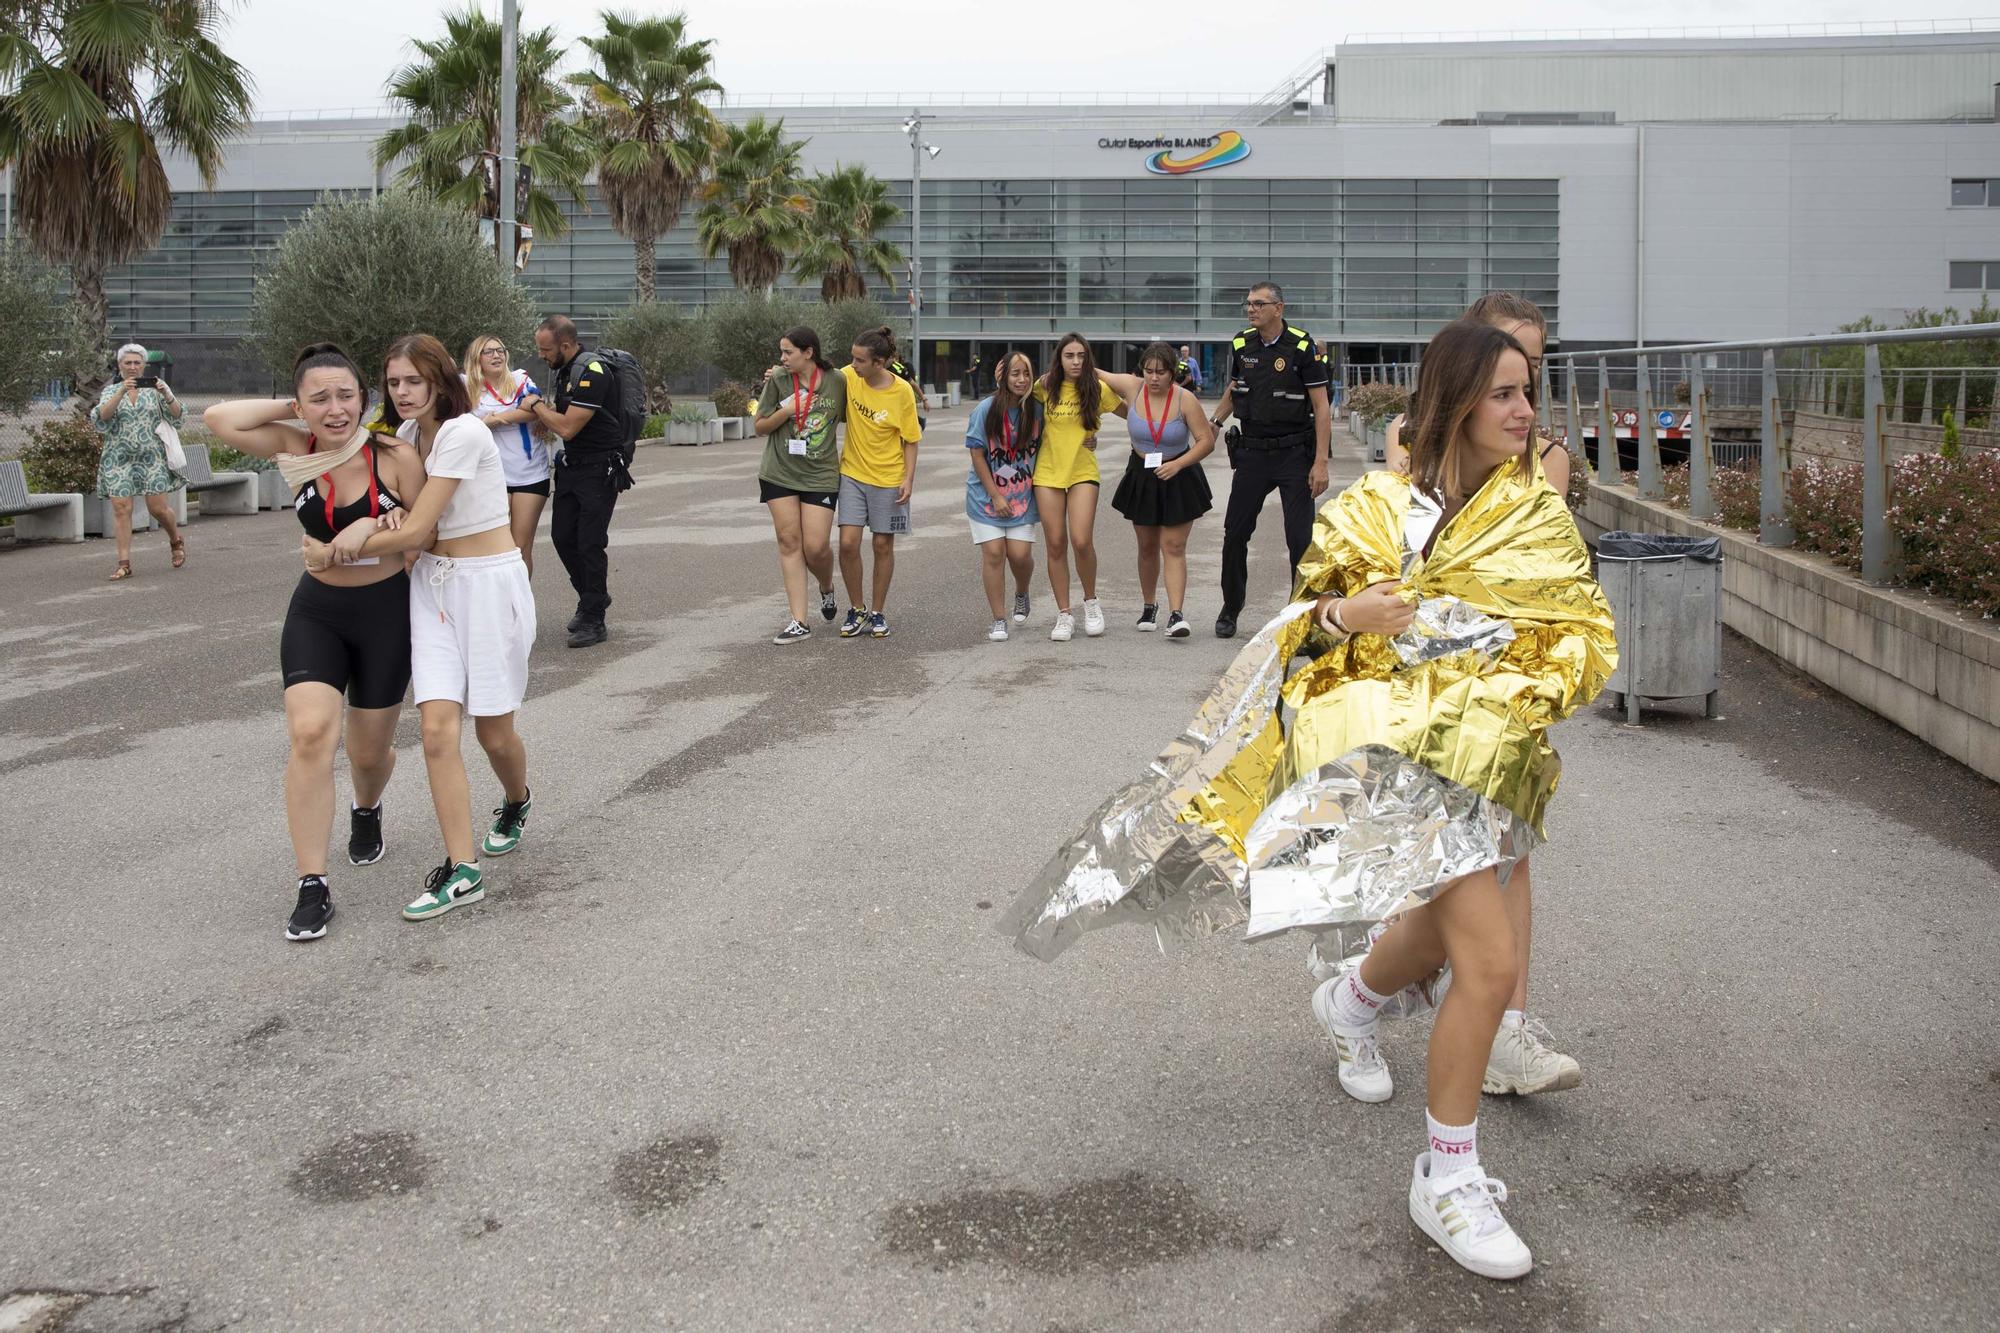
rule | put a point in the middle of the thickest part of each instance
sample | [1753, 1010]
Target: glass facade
[1360, 260]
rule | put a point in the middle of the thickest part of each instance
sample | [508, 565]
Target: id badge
[1152, 461]
[798, 447]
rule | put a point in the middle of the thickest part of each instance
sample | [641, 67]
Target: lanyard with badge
[1158, 431]
[802, 404]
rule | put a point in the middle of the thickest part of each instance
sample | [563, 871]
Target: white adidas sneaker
[1521, 1063]
[1364, 1075]
[1463, 1217]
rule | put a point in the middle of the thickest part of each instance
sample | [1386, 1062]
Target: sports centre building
[1670, 189]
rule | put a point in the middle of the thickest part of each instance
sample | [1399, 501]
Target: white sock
[1454, 1148]
[1354, 1004]
[356, 806]
[1514, 1018]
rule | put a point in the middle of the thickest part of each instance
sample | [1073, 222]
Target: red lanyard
[374, 496]
[1166, 415]
[800, 408]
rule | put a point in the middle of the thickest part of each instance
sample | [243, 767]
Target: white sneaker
[1464, 1219]
[1093, 618]
[1065, 627]
[1521, 1064]
[1363, 1073]
[998, 634]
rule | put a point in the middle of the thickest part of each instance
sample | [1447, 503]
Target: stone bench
[221, 492]
[38, 518]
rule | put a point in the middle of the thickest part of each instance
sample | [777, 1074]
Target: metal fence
[1806, 384]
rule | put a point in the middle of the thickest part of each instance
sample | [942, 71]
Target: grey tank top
[1174, 439]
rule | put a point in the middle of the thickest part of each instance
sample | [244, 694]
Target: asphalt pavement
[731, 1043]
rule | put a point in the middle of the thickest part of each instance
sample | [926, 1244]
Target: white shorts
[472, 623]
[983, 533]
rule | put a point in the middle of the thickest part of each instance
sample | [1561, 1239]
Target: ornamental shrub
[61, 455]
[1826, 509]
[670, 345]
[731, 399]
[743, 333]
[1378, 401]
[1944, 514]
[363, 272]
[41, 339]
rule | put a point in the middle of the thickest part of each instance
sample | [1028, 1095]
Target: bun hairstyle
[327, 356]
[806, 339]
[879, 343]
[1508, 308]
[434, 363]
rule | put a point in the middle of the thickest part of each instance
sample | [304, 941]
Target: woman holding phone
[129, 415]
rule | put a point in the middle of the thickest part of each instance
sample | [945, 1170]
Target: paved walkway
[731, 1045]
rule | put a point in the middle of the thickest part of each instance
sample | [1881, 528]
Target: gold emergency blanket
[1378, 770]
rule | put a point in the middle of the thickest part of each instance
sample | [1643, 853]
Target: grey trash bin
[1666, 596]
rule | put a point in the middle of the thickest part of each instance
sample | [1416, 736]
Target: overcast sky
[312, 55]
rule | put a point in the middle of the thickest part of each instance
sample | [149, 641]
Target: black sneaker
[793, 631]
[589, 632]
[1177, 626]
[364, 835]
[1149, 617]
[828, 607]
[576, 622]
[1225, 626]
[315, 909]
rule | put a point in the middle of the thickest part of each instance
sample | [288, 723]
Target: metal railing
[1883, 28]
[1774, 527]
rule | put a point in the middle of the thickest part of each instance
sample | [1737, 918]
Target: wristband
[1333, 614]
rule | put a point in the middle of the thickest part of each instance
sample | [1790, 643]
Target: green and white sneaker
[447, 887]
[508, 821]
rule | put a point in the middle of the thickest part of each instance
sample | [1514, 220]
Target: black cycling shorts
[354, 639]
[540, 488]
[768, 491]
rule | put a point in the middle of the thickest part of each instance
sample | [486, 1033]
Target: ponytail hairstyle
[428, 356]
[1504, 308]
[1004, 402]
[1087, 396]
[806, 339]
[878, 343]
[327, 356]
[1456, 369]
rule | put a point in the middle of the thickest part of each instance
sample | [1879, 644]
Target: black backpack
[629, 403]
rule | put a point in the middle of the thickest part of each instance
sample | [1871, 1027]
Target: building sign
[1169, 156]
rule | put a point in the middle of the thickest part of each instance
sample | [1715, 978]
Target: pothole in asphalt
[360, 1167]
[668, 1172]
[1118, 1222]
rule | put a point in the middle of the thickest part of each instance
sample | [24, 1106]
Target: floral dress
[134, 461]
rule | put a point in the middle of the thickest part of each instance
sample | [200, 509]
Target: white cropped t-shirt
[464, 451]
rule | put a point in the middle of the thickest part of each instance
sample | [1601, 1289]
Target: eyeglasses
[1257, 305]
[493, 351]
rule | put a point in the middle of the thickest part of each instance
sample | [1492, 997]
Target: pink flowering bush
[1826, 509]
[1944, 514]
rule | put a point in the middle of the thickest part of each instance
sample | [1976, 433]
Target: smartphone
[146, 381]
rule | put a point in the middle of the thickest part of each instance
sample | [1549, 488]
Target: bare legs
[524, 516]
[1521, 911]
[1163, 548]
[995, 557]
[451, 792]
[161, 507]
[803, 531]
[1467, 924]
[312, 718]
[1069, 522]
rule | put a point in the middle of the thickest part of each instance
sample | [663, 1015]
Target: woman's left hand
[317, 555]
[1170, 469]
[348, 541]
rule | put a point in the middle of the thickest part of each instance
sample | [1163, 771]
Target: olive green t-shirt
[818, 468]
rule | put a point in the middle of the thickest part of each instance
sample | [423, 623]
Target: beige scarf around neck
[298, 469]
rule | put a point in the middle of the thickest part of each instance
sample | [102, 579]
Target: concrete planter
[715, 435]
[687, 432]
[732, 428]
[951, 392]
[97, 516]
[272, 493]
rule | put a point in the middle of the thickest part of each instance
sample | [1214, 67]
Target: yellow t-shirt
[879, 423]
[1065, 459]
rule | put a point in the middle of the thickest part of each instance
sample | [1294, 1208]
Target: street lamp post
[919, 150]
[504, 243]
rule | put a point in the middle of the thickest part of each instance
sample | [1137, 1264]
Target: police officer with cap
[1277, 388]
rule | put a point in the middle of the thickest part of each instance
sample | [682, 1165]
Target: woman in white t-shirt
[472, 613]
[504, 398]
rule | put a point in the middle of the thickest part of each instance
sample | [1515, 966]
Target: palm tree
[849, 210]
[451, 94]
[655, 137]
[91, 91]
[755, 207]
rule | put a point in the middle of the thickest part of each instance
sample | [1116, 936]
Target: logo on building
[1200, 153]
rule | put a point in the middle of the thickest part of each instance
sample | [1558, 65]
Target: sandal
[124, 571]
[180, 548]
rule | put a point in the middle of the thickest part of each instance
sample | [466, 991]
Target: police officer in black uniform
[589, 475]
[1277, 387]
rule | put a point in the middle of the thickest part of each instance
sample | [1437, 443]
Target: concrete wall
[1932, 671]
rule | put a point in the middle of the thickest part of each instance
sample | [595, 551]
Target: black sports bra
[321, 518]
